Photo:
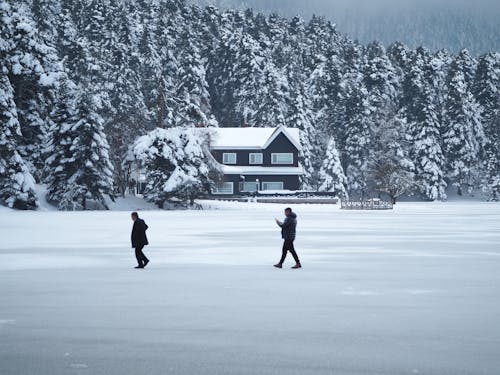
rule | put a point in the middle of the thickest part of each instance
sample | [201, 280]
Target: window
[255, 159]
[249, 187]
[282, 158]
[229, 158]
[223, 188]
[272, 185]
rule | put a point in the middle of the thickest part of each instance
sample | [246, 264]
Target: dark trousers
[288, 246]
[141, 258]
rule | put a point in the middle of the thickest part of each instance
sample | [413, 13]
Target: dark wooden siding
[290, 182]
[281, 145]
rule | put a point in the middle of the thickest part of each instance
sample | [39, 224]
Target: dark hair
[134, 214]
[288, 209]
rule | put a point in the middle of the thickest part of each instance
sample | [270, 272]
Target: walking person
[139, 240]
[288, 227]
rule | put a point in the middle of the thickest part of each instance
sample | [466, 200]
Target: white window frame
[265, 183]
[259, 155]
[227, 155]
[243, 190]
[275, 158]
[223, 188]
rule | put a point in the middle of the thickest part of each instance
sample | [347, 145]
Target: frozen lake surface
[410, 291]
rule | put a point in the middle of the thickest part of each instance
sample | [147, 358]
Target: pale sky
[450, 24]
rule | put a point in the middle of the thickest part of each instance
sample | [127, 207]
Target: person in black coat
[288, 228]
[139, 240]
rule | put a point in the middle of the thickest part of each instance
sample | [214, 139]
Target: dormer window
[229, 158]
[282, 158]
[255, 158]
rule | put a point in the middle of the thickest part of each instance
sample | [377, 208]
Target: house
[255, 159]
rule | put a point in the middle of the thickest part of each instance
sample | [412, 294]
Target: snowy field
[410, 291]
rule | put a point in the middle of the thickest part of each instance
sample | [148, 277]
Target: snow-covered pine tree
[439, 66]
[17, 185]
[322, 38]
[194, 107]
[80, 154]
[487, 92]
[60, 162]
[325, 89]
[356, 138]
[236, 71]
[276, 32]
[34, 70]
[271, 98]
[169, 23]
[177, 163]
[331, 174]
[491, 179]
[45, 14]
[391, 170]
[126, 116]
[381, 82]
[463, 136]
[466, 64]
[300, 116]
[400, 56]
[246, 78]
[421, 115]
[150, 65]
[322, 89]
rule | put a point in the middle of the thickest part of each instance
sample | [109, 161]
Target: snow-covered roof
[258, 170]
[251, 138]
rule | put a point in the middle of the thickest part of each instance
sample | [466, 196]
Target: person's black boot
[278, 265]
[297, 265]
[139, 267]
[145, 263]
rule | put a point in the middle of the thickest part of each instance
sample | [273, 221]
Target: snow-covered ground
[410, 291]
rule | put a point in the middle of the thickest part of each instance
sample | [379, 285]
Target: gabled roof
[251, 138]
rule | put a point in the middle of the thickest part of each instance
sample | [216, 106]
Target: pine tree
[381, 82]
[424, 128]
[177, 164]
[271, 98]
[17, 185]
[300, 116]
[487, 93]
[126, 116]
[80, 155]
[331, 174]
[391, 170]
[192, 89]
[463, 137]
[60, 162]
[356, 135]
[247, 78]
[34, 70]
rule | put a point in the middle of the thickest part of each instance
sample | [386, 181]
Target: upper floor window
[229, 158]
[255, 158]
[282, 158]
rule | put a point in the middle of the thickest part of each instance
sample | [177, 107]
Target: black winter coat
[288, 227]
[139, 238]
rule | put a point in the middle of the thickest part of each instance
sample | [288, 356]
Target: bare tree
[390, 178]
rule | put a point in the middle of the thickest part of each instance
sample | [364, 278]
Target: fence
[374, 204]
